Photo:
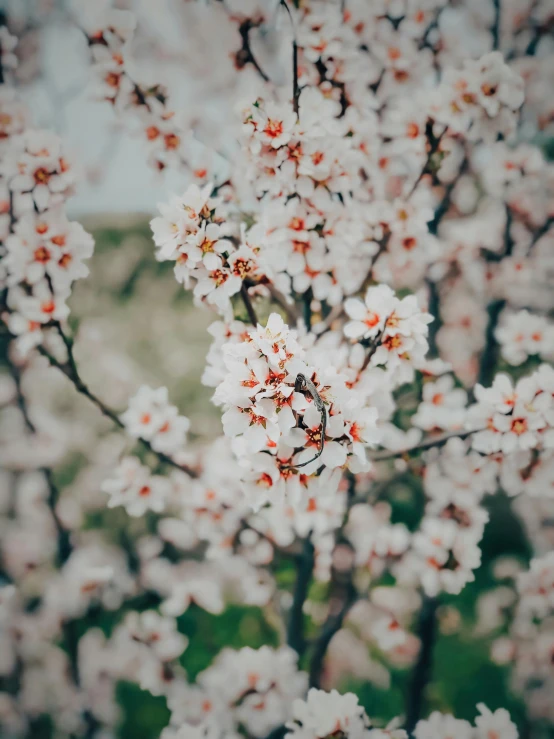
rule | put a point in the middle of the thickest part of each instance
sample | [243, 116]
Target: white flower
[256, 685]
[443, 726]
[512, 418]
[158, 633]
[135, 488]
[524, 334]
[324, 714]
[497, 725]
[369, 319]
[273, 123]
[151, 417]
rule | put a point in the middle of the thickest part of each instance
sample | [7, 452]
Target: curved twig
[302, 382]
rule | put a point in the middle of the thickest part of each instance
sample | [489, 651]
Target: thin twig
[308, 297]
[383, 244]
[70, 370]
[289, 308]
[295, 84]
[64, 547]
[376, 343]
[81, 387]
[245, 56]
[295, 87]
[248, 305]
[540, 232]
[434, 310]
[434, 143]
[427, 444]
[495, 30]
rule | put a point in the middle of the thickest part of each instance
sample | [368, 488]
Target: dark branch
[333, 623]
[490, 352]
[248, 305]
[428, 167]
[295, 85]
[495, 30]
[64, 547]
[427, 630]
[71, 371]
[305, 566]
[280, 299]
[245, 56]
[540, 232]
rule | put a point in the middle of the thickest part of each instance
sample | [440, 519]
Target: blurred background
[137, 325]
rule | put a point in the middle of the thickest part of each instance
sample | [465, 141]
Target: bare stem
[495, 30]
[295, 85]
[245, 55]
[290, 309]
[434, 143]
[427, 444]
[70, 370]
[248, 305]
[490, 353]
[64, 547]
[427, 631]
[305, 566]
[333, 623]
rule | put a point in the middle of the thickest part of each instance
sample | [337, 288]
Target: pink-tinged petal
[509, 443]
[285, 418]
[335, 426]
[234, 422]
[502, 423]
[299, 402]
[312, 417]
[212, 261]
[355, 329]
[207, 595]
[296, 438]
[334, 454]
[233, 285]
[265, 408]
[355, 309]
[256, 437]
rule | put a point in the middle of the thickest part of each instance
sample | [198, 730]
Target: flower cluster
[487, 724]
[249, 688]
[398, 329]
[445, 550]
[512, 417]
[135, 488]
[190, 233]
[482, 99]
[152, 418]
[43, 252]
[328, 714]
[522, 335]
[109, 34]
[377, 246]
[285, 434]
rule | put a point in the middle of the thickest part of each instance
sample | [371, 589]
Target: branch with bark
[71, 371]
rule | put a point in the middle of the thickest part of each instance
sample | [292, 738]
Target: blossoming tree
[370, 223]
